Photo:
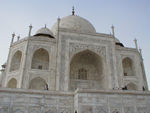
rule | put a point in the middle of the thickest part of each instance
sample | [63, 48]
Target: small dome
[75, 23]
[4, 65]
[44, 32]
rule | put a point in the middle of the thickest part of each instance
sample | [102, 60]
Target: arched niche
[131, 86]
[86, 71]
[127, 67]
[38, 83]
[12, 83]
[40, 59]
[16, 61]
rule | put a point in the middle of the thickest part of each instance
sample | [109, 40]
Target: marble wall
[94, 101]
[82, 101]
[32, 101]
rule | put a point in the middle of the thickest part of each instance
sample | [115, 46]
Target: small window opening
[46, 87]
[82, 74]
[125, 88]
[125, 74]
[143, 88]
[39, 67]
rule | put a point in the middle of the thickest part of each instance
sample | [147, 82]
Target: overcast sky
[131, 19]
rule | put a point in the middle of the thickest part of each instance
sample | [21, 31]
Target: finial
[73, 12]
[30, 28]
[113, 32]
[45, 25]
[136, 45]
[18, 37]
[140, 50]
[58, 19]
[13, 36]
[58, 22]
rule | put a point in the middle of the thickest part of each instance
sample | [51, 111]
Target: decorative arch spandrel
[75, 48]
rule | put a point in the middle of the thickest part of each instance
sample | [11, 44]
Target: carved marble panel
[86, 109]
[101, 109]
[51, 101]
[18, 110]
[141, 110]
[34, 110]
[115, 100]
[65, 101]
[4, 99]
[3, 109]
[141, 100]
[35, 100]
[115, 110]
[129, 110]
[128, 100]
[78, 47]
[50, 110]
[65, 110]
[148, 110]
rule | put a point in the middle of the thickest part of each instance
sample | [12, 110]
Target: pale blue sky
[131, 19]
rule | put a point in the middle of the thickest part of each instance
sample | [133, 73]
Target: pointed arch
[16, 61]
[12, 83]
[131, 86]
[40, 59]
[86, 67]
[127, 67]
[38, 83]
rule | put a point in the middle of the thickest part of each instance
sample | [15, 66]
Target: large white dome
[76, 24]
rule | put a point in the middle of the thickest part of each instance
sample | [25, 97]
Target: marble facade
[72, 68]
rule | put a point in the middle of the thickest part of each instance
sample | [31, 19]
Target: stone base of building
[80, 101]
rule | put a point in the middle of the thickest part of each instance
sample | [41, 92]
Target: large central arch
[87, 71]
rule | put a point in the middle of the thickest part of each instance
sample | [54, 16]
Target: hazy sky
[131, 19]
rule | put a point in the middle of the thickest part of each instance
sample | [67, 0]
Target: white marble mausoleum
[71, 68]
